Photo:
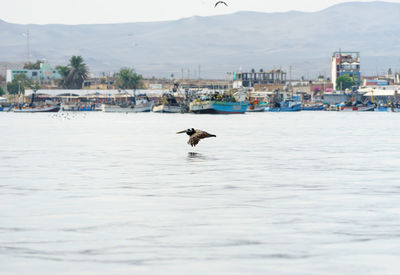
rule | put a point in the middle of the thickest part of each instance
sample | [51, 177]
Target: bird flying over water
[195, 135]
[220, 2]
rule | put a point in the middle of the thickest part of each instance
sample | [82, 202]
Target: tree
[345, 82]
[2, 92]
[64, 72]
[74, 74]
[33, 66]
[127, 78]
[19, 83]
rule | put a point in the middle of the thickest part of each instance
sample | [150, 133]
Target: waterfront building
[250, 79]
[345, 63]
[45, 74]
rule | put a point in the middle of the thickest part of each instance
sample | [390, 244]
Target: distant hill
[222, 43]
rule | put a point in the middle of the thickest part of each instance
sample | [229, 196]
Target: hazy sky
[116, 11]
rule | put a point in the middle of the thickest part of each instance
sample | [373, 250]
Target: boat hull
[286, 106]
[357, 108]
[217, 107]
[284, 109]
[382, 109]
[118, 109]
[43, 109]
[313, 108]
[254, 109]
[167, 109]
[394, 110]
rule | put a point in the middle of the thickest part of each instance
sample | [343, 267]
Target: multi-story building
[249, 79]
[45, 74]
[345, 63]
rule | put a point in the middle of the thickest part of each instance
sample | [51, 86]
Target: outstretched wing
[197, 136]
[220, 2]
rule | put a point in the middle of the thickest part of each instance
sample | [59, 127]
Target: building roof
[81, 92]
[380, 92]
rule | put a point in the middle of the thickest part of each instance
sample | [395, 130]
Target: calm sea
[274, 193]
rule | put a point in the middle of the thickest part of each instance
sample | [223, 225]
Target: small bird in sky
[196, 135]
[220, 2]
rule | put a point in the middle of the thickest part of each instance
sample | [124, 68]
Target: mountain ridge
[219, 43]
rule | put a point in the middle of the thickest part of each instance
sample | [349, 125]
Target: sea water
[273, 193]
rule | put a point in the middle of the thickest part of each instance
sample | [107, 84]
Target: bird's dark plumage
[196, 135]
[220, 2]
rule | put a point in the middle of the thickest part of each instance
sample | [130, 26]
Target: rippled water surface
[276, 193]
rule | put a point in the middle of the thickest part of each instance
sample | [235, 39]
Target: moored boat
[220, 103]
[256, 106]
[168, 104]
[358, 108]
[394, 107]
[381, 108]
[140, 104]
[79, 107]
[125, 109]
[37, 109]
[218, 107]
[313, 107]
[287, 105]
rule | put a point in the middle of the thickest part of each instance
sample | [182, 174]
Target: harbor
[237, 101]
[253, 91]
[197, 137]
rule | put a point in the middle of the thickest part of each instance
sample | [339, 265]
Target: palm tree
[74, 74]
[78, 72]
[64, 72]
[127, 78]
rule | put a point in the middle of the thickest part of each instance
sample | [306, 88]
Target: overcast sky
[117, 11]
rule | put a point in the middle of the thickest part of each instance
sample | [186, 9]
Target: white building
[345, 63]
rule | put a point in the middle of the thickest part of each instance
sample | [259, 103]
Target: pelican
[195, 135]
[220, 2]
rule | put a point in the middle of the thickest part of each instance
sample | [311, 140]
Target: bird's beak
[184, 131]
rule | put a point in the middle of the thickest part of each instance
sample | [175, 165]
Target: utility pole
[199, 78]
[28, 46]
[199, 71]
[5, 86]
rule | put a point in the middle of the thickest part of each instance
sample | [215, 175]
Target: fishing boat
[124, 109]
[394, 107]
[220, 104]
[80, 107]
[218, 107]
[139, 104]
[37, 109]
[313, 107]
[357, 108]
[287, 105]
[255, 106]
[381, 108]
[2, 100]
[168, 104]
